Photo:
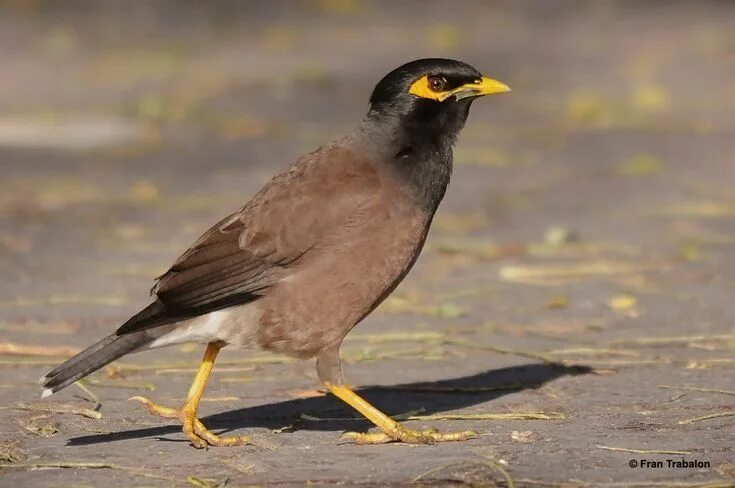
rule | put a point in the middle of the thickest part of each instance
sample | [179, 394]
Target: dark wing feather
[214, 269]
[240, 257]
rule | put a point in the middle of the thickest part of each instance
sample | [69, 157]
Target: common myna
[316, 249]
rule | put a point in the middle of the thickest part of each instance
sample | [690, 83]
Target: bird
[315, 251]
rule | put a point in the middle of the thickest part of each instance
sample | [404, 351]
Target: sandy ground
[578, 279]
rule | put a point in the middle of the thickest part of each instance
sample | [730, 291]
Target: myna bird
[315, 251]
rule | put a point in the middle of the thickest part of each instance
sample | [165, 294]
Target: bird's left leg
[197, 433]
[330, 372]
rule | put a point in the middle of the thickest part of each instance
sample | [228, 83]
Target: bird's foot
[194, 429]
[408, 436]
[201, 437]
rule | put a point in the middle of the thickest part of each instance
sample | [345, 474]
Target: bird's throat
[425, 172]
[420, 157]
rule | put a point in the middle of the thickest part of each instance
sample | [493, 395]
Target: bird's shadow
[426, 396]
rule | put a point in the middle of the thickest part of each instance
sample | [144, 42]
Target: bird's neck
[426, 171]
[421, 159]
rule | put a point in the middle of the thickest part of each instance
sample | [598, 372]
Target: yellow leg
[390, 430]
[197, 433]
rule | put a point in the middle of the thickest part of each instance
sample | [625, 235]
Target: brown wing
[239, 258]
[214, 269]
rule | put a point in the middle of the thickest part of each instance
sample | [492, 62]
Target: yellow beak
[483, 86]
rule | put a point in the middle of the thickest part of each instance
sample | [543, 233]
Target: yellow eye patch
[422, 88]
[427, 87]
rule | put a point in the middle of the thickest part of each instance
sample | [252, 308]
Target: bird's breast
[348, 275]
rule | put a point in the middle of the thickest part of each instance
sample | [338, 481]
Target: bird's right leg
[197, 433]
[330, 372]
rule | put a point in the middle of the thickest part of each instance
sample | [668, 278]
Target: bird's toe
[156, 409]
[367, 437]
[219, 441]
[408, 436]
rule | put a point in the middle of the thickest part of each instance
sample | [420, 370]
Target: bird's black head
[416, 113]
[431, 97]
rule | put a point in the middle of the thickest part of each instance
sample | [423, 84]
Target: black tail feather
[91, 359]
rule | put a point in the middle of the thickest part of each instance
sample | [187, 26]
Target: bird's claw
[407, 436]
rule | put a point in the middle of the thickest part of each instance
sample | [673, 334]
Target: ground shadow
[391, 401]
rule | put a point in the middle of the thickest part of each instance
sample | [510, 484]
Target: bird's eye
[437, 83]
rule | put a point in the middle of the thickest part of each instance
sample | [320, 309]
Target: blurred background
[122, 120]
[591, 206]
